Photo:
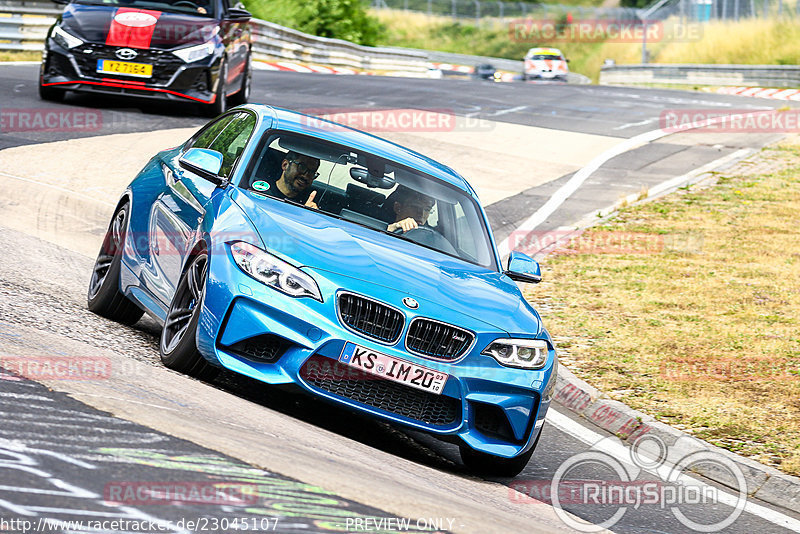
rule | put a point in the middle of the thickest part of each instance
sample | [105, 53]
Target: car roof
[293, 121]
[553, 51]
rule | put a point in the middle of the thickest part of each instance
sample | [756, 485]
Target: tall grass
[757, 41]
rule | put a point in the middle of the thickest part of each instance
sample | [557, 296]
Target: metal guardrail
[747, 75]
[271, 41]
[24, 24]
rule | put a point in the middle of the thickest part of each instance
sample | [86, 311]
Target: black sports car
[193, 50]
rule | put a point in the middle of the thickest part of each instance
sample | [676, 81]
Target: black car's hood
[136, 28]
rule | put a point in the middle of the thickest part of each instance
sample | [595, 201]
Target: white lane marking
[656, 190]
[506, 111]
[621, 453]
[572, 185]
[57, 188]
[632, 124]
[24, 396]
[708, 167]
[12, 63]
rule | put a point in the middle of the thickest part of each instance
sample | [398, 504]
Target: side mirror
[236, 14]
[203, 162]
[523, 268]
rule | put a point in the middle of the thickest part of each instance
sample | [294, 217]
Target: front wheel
[104, 296]
[220, 104]
[178, 346]
[243, 95]
[51, 94]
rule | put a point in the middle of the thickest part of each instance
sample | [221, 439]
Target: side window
[232, 140]
[211, 132]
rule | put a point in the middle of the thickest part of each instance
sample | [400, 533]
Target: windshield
[204, 8]
[546, 56]
[373, 192]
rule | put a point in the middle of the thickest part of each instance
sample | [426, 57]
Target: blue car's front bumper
[259, 332]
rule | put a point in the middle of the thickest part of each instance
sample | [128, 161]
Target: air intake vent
[350, 383]
[266, 348]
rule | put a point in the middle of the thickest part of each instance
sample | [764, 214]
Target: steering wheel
[425, 235]
[186, 3]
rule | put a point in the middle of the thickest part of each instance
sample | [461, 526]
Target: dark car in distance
[186, 50]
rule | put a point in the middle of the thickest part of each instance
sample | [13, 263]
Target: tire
[178, 347]
[243, 95]
[51, 94]
[489, 465]
[104, 296]
[220, 104]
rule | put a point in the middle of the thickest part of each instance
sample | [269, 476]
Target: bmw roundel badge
[411, 303]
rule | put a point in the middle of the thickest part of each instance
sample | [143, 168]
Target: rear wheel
[104, 296]
[178, 346]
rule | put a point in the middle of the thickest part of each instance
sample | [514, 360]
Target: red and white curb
[288, 66]
[761, 92]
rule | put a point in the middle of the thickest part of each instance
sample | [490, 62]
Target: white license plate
[392, 368]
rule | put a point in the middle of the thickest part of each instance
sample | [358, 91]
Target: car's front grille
[370, 318]
[345, 381]
[438, 340]
[266, 348]
[165, 64]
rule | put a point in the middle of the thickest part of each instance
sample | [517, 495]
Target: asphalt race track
[70, 449]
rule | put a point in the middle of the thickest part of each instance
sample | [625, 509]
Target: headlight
[273, 271]
[67, 40]
[195, 53]
[522, 353]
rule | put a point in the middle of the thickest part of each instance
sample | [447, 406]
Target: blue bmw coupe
[298, 251]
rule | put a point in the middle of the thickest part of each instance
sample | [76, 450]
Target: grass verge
[700, 329]
[751, 42]
[20, 56]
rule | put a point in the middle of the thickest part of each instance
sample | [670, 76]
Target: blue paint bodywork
[173, 212]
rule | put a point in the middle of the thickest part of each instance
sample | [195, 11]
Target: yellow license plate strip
[140, 70]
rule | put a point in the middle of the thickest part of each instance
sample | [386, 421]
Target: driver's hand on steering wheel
[405, 225]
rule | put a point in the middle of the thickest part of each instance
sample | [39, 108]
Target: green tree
[635, 3]
[339, 19]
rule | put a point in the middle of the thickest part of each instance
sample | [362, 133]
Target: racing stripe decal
[132, 28]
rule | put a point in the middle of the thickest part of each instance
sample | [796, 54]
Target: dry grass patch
[703, 330]
[20, 56]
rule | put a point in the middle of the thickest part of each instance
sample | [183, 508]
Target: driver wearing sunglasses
[298, 171]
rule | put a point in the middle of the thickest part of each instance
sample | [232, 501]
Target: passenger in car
[411, 209]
